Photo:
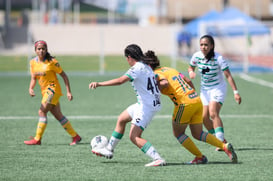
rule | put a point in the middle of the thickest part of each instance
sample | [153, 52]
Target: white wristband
[235, 92]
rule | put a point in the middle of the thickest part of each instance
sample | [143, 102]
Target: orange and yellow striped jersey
[179, 91]
[45, 73]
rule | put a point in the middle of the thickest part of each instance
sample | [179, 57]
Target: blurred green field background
[79, 63]
[247, 126]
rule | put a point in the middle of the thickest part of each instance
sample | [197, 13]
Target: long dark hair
[134, 51]
[47, 56]
[151, 59]
[211, 53]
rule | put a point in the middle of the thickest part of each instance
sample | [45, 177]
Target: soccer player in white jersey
[139, 114]
[211, 67]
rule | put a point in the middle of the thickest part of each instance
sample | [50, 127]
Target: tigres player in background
[44, 68]
[188, 110]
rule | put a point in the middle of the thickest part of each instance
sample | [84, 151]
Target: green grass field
[77, 63]
[247, 126]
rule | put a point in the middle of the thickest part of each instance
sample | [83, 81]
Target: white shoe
[155, 163]
[103, 152]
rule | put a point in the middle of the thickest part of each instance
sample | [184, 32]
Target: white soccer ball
[99, 141]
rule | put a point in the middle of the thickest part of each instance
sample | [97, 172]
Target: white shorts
[141, 116]
[216, 94]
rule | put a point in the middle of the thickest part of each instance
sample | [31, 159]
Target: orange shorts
[188, 113]
[50, 97]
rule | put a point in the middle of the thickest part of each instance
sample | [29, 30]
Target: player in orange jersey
[188, 110]
[44, 68]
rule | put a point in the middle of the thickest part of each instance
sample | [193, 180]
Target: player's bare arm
[31, 86]
[67, 86]
[117, 81]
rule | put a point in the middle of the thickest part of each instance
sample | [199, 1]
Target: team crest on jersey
[205, 70]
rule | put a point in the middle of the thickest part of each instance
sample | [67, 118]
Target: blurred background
[242, 29]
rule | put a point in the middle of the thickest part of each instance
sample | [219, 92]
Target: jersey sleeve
[181, 75]
[159, 75]
[223, 63]
[193, 61]
[131, 73]
[56, 66]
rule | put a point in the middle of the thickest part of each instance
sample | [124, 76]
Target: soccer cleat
[155, 163]
[219, 149]
[33, 142]
[202, 160]
[103, 152]
[230, 152]
[75, 140]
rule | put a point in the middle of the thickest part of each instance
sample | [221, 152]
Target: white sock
[153, 153]
[220, 136]
[112, 143]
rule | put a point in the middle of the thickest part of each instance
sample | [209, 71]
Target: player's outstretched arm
[117, 81]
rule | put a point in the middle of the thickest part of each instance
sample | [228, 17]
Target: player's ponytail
[151, 59]
[48, 56]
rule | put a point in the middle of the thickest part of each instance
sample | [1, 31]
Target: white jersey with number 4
[211, 71]
[143, 81]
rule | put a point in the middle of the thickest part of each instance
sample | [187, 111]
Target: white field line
[256, 80]
[114, 117]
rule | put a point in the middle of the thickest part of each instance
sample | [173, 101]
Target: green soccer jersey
[211, 71]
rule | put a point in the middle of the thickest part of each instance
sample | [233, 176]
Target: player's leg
[199, 134]
[197, 128]
[217, 122]
[42, 123]
[46, 104]
[207, 121]
[181, 117]
[217, 98]
[214, 110]
[116, 136]
[141, 118]
[204, 95]
[186, 142]
[145, 146]
[118, 133]
[56, 112]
